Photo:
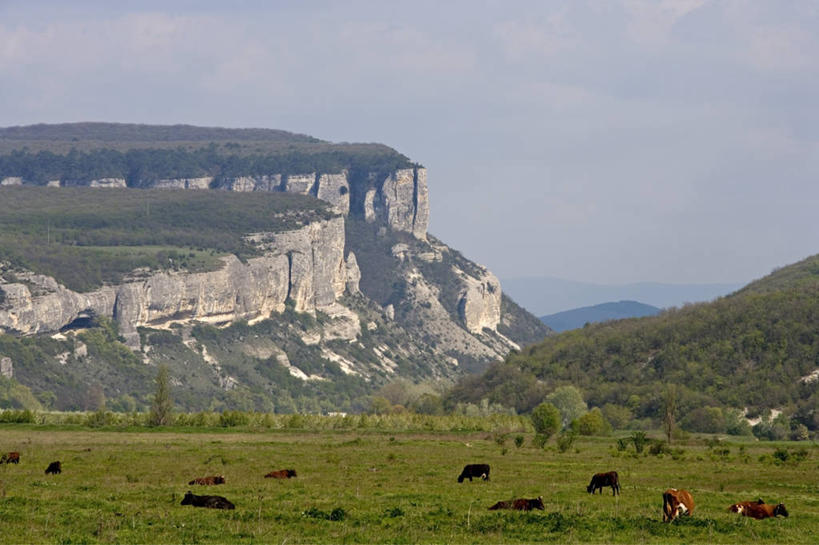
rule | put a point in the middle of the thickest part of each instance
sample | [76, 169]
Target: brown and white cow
[10, 458]
[600, 480]
[281, 474]
[206, 481]
[759, 509]
[676, 503]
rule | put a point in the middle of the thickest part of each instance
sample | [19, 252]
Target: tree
[162, 404]
[546, 419]
[569, 401]
[593, 423]
[669, 408]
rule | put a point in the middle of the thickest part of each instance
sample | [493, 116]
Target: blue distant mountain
[572, 319]
[547, 295]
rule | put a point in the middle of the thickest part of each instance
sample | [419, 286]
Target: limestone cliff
[306, 266]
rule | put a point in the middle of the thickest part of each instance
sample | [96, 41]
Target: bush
[566, 440]
[640, 440]
[546, 419]
[659, 447]
[519, 441]
[593, 423]
[18, 417]
[230, 419]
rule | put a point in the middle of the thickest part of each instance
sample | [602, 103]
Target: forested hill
[73, 152]
[756, 349]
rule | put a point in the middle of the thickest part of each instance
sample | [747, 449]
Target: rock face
[6, 367]
[401, 202]
[306, 266]
[479, 305]
[184, 183]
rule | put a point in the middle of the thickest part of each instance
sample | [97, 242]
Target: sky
[599, 141]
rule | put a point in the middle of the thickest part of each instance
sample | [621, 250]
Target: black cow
[54, 468]
[474, 470]
[211, 502]
[600, 480]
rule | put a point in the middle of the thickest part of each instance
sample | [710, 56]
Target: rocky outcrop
[203, 182]
[11, 180]
[401, 202]
[335, 189]
[299, 183]
[306, 266]
[6, 367]
[479, 305]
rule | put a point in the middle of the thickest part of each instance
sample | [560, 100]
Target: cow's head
[780, 510]
[188, 499]
[537, 503]
[219, 479]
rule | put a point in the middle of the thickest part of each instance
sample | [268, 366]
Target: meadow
[377, 486]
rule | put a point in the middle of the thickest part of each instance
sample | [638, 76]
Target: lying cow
[758, 509]
[676, 503]
[600, 480]
[521, 504]
[281, 474]
[474, 470]
[10, 458]
[54, 468]
[206, 481]
[211, 502]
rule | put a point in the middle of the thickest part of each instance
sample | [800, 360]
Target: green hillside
[748, 350]
[85, 237]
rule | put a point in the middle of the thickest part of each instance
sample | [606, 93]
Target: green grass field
[126, 487]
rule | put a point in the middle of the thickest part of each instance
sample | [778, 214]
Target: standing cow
[54, 468]
[601, 480]
[676, 503]
[474, 470]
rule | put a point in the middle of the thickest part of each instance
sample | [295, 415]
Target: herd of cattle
[675, 502]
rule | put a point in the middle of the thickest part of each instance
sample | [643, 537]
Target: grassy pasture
[125, 487]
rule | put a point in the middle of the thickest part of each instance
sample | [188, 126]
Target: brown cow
[205, 481]
[10, 458]
[759, 509]
[281, 474]
[599, 480]
[676, 503]
[741, 506]
[212, 502]
[521, 504]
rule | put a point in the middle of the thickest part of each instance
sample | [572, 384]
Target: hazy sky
[613, 142]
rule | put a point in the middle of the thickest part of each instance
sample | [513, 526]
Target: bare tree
[670, 407]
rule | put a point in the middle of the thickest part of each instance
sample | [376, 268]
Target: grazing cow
[10, 458]
[205, 481]
[281, 474]
[54, 468]
[211, 502]
[759, 510]
[521, 504]
[474, 470]
[676, 503]
[599, 480]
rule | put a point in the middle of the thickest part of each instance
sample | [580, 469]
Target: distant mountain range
[547, 295]
[572, 319]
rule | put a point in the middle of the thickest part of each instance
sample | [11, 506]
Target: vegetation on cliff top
[754, 349]
[140, 154]
[86, 237]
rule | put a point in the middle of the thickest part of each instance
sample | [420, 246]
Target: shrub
[659, 447]
[546, 419]
[640, 440]
[566, 440]
[519, 441]
[593, 423]
[230, 419]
